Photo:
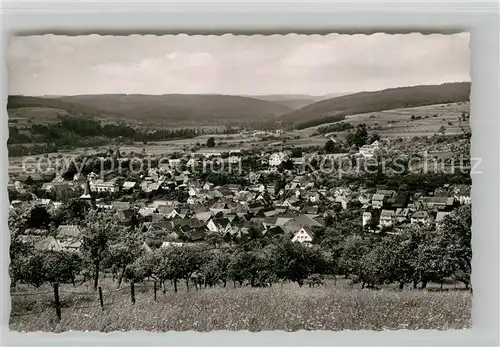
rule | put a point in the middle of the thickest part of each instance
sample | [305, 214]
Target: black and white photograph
[239, 182]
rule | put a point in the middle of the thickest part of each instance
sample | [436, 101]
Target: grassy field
[398, 123]
[288, 308]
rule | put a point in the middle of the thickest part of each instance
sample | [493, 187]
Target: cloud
[233, 64]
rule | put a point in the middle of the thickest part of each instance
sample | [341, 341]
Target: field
[288, 308]
[398, 122]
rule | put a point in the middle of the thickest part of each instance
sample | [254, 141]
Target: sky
[228, 64]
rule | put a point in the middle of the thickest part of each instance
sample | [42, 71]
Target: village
[182, 199]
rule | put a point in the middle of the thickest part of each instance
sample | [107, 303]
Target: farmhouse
[304, 235]
[100, 186]
[420, 217]
[386, 218]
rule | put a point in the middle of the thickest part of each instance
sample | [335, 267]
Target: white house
[420, 217]
[100, 186]
[303, 235]
[367, 216]
[386, 218]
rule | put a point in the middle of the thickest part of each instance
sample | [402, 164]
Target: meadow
[287, 308]
[398, 122]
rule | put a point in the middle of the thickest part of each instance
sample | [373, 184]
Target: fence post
[100, 298]
[56, 299]
[132, 292]
[155, 289]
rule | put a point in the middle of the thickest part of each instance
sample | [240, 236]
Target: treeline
[319, 121]
[69, 129]
[332, 128]
[414, 255]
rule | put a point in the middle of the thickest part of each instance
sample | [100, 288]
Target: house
[313, 197]
[195, 234]
[420, 217]
[367, 217]
[47, 203]
[147, 211]
[273, 231]
[120, 205]
[440, 216]
[304, 235]
[149, 187]
[168, 244]
[125, 214]
[100, 186]
[219, 225]
[400, 200]
[386, 218]
[437, 202]
[462, 194]
[48, 243]
[67, 232]
[402, 214]
[378, 200]
[208, 186]
[174, 163]
[70, 245]
[293, 225]
[128, 185]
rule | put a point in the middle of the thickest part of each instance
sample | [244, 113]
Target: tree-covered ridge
[74, 132]
[322, 112]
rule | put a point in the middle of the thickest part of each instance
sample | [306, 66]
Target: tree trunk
[96, 279]
[415, 284]
[175, 285]
[234, 284]
[224, 283]
[121, 276]
[187, 284]
[441, 286]
[424, 284]
[401, 285]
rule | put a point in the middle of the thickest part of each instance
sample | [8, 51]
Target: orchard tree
[99, 230]
[456, 228]
[124, 252]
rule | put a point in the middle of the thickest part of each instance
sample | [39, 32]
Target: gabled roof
[378, 197]
[420, 214]
[440, 216]
[71, 231]
[386, 214]
[196, 234]
[120, 205]
[48, 243]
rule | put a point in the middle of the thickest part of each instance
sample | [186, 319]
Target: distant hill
[294, 101]
[18, 102]
[337, 108]
[201, 108]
